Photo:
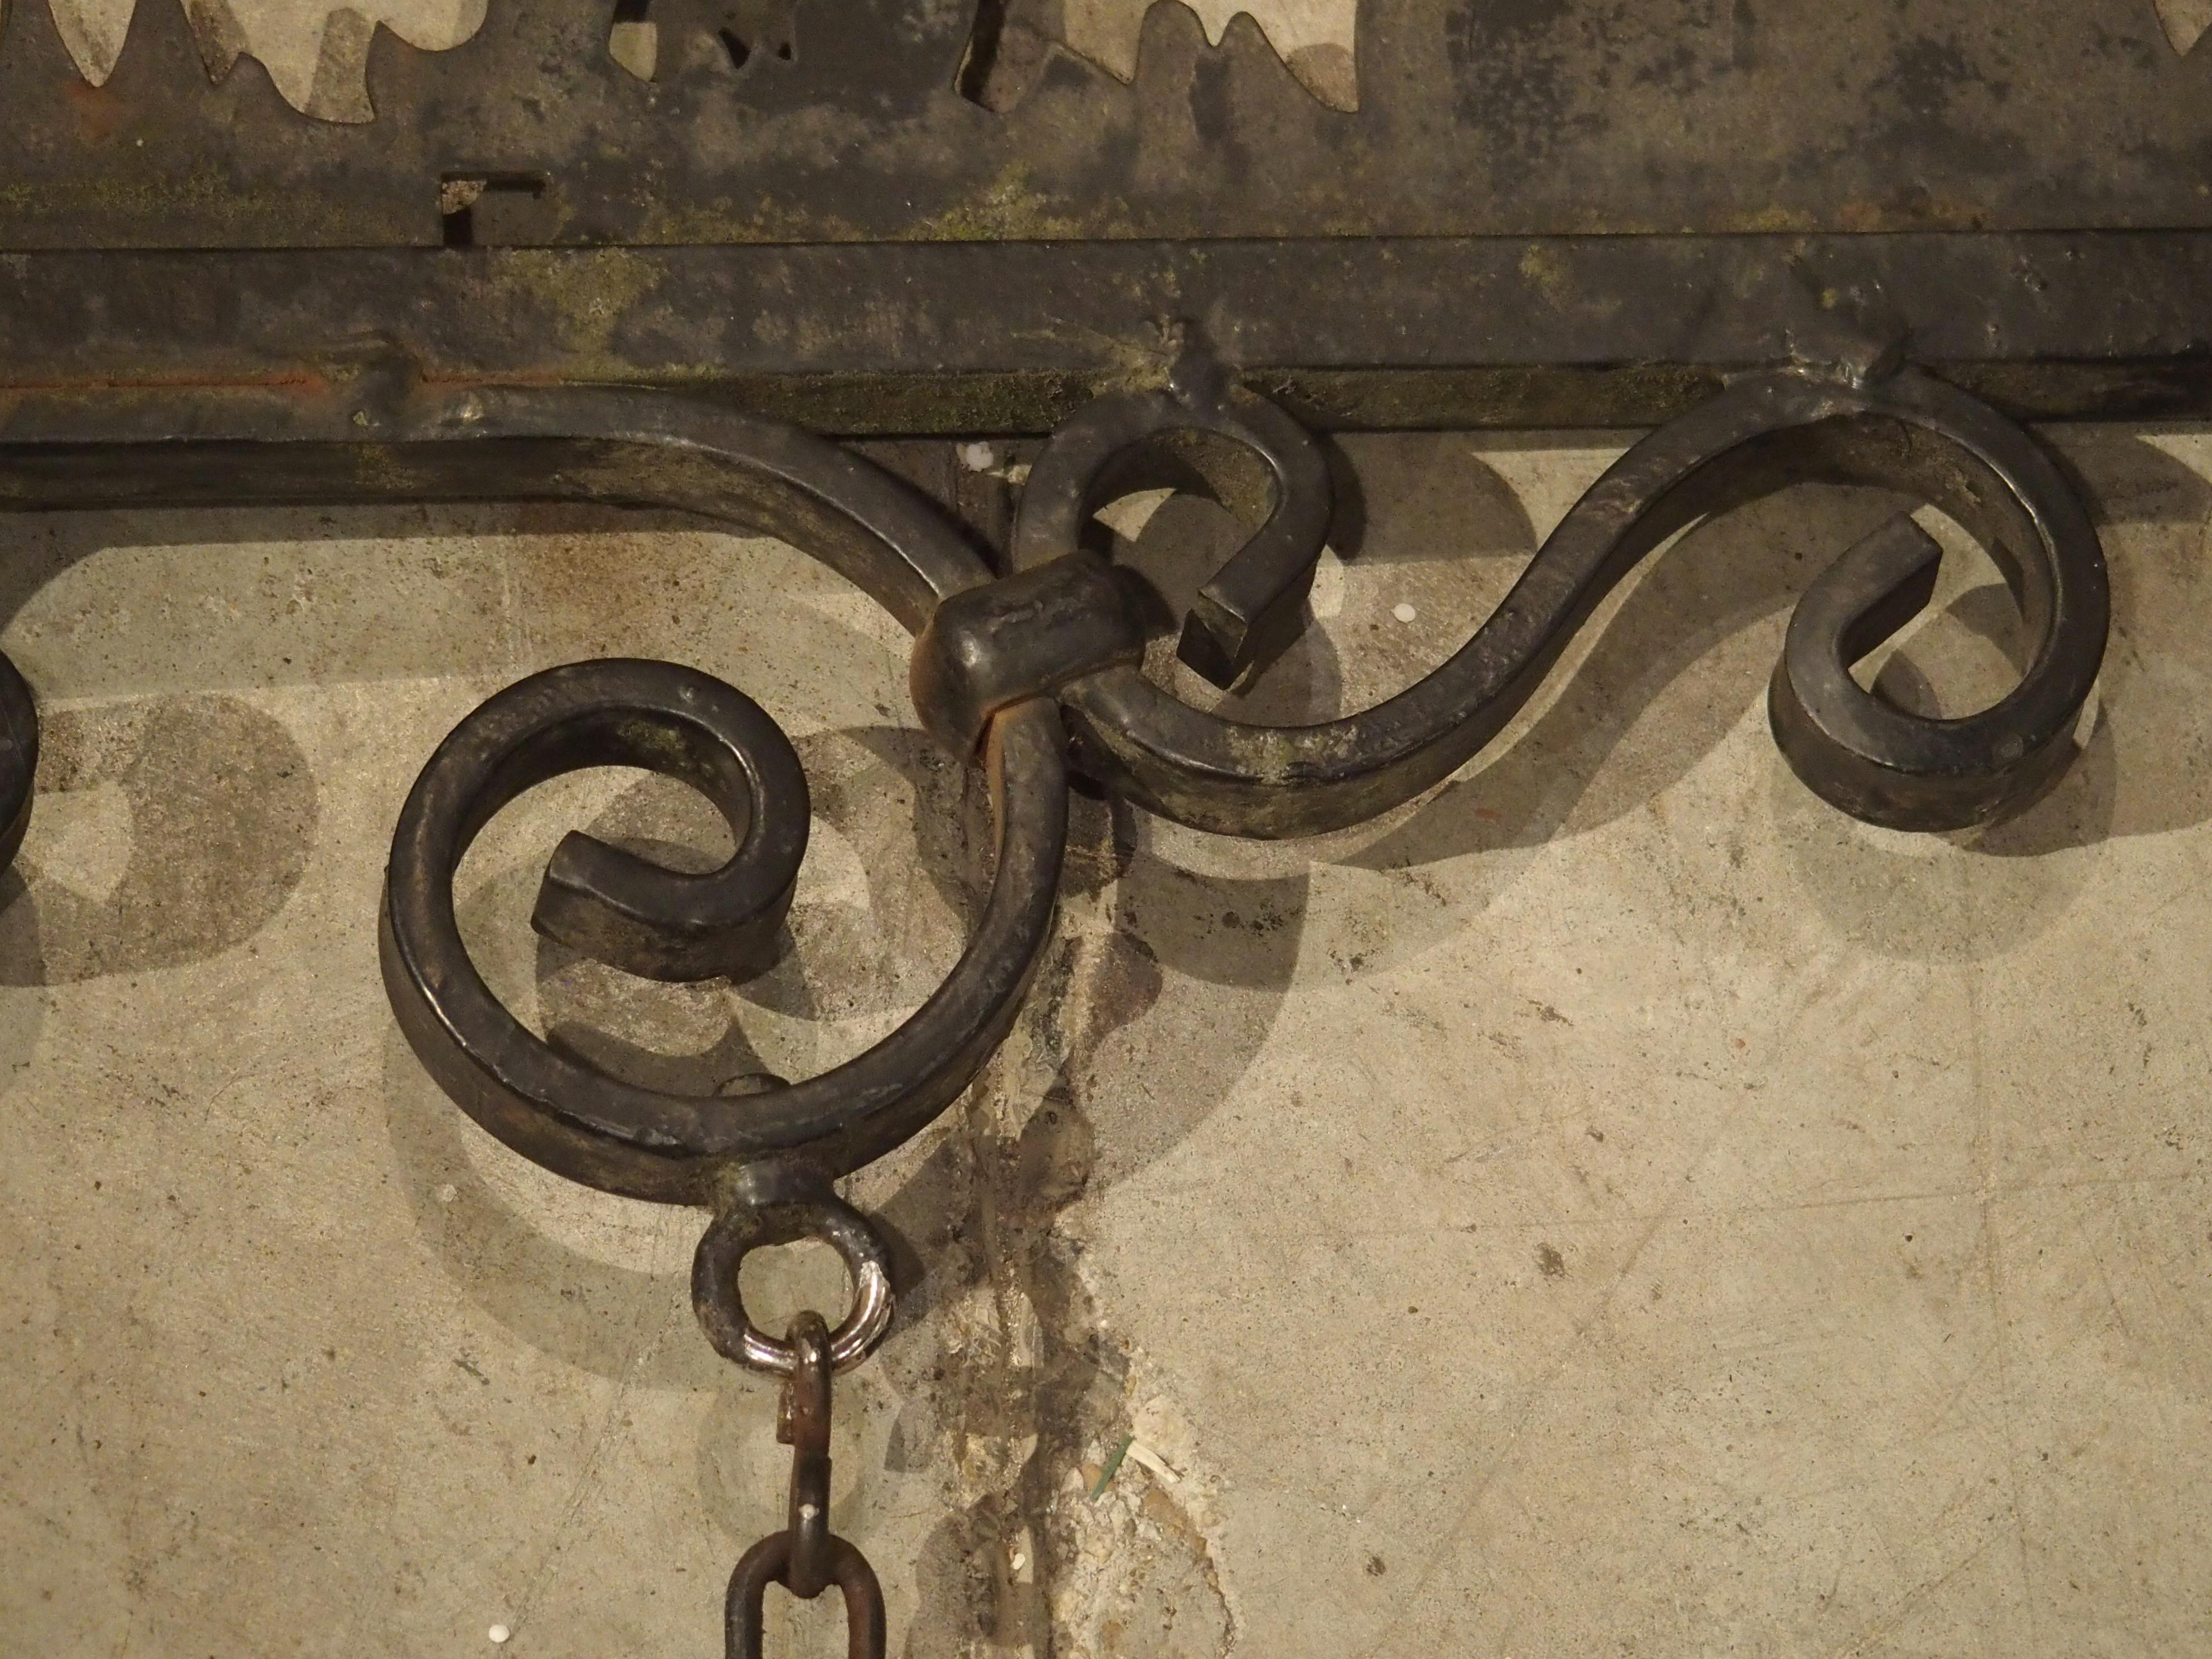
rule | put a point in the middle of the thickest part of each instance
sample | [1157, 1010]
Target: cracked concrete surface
[1614, 1205]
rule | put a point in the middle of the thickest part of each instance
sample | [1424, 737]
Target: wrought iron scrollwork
[1904, 431]
[997, 662]
[581, 1122]
[1251, 607]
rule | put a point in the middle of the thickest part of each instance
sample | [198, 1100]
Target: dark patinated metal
[19, 759]
[384, 440]
[1024, 636]
[1894, 427]
[768, 1563]
[880, 124]
[802, 1424]
[1251, 607]
[543, 1102]
[658, 923]
[1000, 338]
[807, 1558]
[1859, 242]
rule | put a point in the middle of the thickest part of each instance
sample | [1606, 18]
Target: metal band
[1024, 636]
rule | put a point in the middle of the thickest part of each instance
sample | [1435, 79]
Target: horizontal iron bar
[1007, 337]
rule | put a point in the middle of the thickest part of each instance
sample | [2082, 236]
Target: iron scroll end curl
[1252, 607]
[1900, 770]
[551, 1105]
[663, 924]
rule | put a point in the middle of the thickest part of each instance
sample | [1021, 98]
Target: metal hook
[807, 1558]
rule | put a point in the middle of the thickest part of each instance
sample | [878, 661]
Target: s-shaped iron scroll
[1902, 430]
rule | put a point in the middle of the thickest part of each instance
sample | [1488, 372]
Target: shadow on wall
[175, 818]
[166, 830]
[171, 825]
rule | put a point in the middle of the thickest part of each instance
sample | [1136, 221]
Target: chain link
[806, 1557]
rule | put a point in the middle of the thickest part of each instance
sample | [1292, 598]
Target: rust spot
[98, 112]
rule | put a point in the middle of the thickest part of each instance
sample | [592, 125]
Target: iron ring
[744, 1228]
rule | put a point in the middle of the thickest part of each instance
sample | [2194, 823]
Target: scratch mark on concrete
[1984, 1152]
[589, 1478]
[1454, 1530]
